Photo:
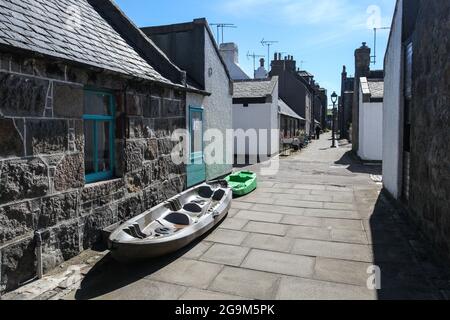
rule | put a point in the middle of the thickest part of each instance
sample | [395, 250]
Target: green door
[196, 168]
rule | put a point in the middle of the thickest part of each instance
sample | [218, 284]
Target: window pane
[97, 104]
[89, 146]
[196, 132]
[103, 146]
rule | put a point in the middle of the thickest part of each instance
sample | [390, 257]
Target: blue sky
[322, 33]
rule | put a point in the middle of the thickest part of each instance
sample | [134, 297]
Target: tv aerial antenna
[254, 56]
[374, 57]
[220, 29]
[268, 44]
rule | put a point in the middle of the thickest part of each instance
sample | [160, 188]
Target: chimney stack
[362, 61]
[262, 62]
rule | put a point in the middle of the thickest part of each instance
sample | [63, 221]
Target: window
[99, 110]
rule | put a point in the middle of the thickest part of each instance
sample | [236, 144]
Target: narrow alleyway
[310, 232]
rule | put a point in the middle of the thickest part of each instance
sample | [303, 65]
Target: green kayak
[242, 182]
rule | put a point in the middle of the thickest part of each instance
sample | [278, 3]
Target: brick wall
[42, 182]
[430, 154]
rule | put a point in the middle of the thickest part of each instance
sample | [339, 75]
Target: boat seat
[193, 207]
[178, 219]
[218, 195]
[205, 192]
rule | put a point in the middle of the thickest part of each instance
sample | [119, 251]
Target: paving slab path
[314, 230]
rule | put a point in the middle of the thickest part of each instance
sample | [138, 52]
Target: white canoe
[173, 224]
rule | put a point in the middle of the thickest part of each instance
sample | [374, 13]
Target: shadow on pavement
[357, 166]
[409, 268]
[109, 275]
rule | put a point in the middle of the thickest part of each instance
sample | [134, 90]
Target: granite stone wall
[430, 123]
[42, 180]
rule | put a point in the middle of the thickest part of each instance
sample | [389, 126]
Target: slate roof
[284, 109]
[74, 30]
[255, 88]
[305, 74]
[376, 87]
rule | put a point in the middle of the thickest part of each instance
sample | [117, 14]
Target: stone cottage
[192, 47]
[87, 108]
[416, 122]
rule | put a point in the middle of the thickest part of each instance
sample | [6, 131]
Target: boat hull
[137, 250]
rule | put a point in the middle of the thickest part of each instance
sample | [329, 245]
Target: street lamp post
[334, 98]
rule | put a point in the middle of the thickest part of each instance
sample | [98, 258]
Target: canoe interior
[242, 182]
[177, 217]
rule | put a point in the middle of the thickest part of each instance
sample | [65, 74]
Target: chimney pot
[262, 62]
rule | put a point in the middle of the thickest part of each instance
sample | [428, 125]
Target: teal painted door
[196, 168]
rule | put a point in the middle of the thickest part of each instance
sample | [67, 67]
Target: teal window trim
[106, 175]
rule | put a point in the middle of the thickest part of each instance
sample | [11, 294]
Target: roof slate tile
[45, 27]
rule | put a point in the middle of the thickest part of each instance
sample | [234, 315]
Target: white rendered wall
[371, 131]
[230, 54]
[258, 116]
[218, 106]
[392, 114]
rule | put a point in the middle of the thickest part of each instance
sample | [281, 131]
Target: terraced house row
[88, 106]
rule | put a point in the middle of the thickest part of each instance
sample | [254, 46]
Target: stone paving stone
[265, 184]
[326, 213]
[334, 193]
[346, 251]
[241, 205]
[300, 204]
[339, 189]
[302, 221]
[186, 272]
[225, 236]
[257, 199]
[266, 242]
[233, 223]
[232, 212]
[266, 228]
[284, 185]
[246, 283]
[343, 198]
[146, 290]
[301, 232]
[280, 263]
[349, 272]
[344, 224]
[309, 187]
[282, 192]
[205, 295]
[305, 289]
[198, 250]
[225, 254]
[321, 198]
[278, 209]
[338, 206]
[350, 236]
[259, 216]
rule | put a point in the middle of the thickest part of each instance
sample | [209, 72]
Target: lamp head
[334, 97]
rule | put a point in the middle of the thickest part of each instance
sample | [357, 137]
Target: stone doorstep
[59, 281]
[50, 286]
